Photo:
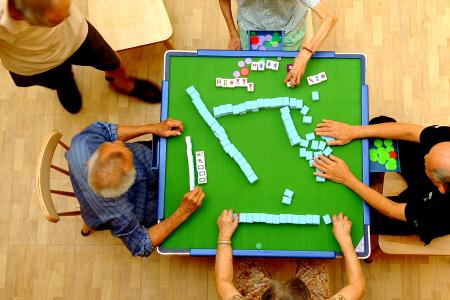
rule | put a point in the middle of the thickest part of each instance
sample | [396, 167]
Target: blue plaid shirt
[126, 216]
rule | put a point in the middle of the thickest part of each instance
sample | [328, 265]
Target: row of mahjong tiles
[254, 106]
[262, 103]
[282, 218]
[221, 134]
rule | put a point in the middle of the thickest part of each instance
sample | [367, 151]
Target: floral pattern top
[252, 279]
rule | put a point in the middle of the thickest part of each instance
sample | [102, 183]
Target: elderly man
[40, 40]
[423, 208]
[116, 186]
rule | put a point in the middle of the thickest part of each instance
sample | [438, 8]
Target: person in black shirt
[424, 206]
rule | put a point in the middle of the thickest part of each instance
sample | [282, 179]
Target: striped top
[128, 215]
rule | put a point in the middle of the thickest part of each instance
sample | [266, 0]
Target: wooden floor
[408, 48]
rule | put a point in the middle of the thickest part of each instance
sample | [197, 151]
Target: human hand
[227, 225]
[298, 69]
[342, 132]
[342, 227]
[168, 128]
[332, 168]
[191, 202]
[235, 42]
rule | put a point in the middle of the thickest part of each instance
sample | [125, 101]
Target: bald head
[47, 13]
[437, 166]
[110, 170]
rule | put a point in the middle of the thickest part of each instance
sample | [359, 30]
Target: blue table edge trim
[365, 152]
[251, 53]
[167, 55]
[256, 53]
[254, 253]
[365, 145]
[162, 152]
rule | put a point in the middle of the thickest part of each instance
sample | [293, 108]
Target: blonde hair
[101, 174]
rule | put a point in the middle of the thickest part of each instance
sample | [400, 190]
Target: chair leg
[376, 183]
[86, 230]
[376, 250]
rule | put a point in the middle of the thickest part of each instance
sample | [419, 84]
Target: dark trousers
[94, 52]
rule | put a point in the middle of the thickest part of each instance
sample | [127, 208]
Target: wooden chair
[409, 245]
[412, 245]
[44, 191]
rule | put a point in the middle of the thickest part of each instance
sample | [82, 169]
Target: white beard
[121, 189]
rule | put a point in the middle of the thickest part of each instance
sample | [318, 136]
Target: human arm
[356, 283]
[336, 169]
[165, 128]
[224, 258]
[191, 202]
[141, 241]
[225, 7]
[345, 133]
[328, 20]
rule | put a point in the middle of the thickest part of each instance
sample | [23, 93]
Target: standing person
[286, 15]
[40, 40]
[264, 288]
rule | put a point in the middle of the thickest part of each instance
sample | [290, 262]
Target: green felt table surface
[261, 138]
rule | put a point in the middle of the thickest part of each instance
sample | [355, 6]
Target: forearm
[355, 276]
[395, 131]
[159, 232]
[382, 204]
[224, 269]
[329, 19]
[352, 265]
[126, 133]
[225, 7]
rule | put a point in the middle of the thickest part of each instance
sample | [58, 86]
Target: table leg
[168, 44]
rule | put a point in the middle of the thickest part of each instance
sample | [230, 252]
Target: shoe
[143, 89]
[70, 98]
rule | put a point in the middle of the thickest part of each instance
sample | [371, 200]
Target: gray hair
[98, 174]
[291, 289]
[442, 175]
[34, 10]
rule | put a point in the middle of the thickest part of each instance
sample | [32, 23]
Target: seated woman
[280, 15]
[260, 287]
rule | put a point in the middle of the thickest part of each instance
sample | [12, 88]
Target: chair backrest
[412, 245]
[406, 245]
[44, 164]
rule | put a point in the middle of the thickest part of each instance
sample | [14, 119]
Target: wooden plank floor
[407, 45]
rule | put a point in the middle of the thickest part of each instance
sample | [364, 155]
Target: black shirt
[430, 210]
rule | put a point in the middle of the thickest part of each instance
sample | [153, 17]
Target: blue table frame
[363, 250]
